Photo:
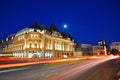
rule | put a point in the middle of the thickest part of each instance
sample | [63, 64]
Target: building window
[6, 39]
[28, 46]
[35, 36]
[31, 35]
[35, 45]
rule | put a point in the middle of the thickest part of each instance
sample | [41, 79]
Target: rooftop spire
[35, 25]
[53, 28]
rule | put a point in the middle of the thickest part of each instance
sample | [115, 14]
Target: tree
[114, 51]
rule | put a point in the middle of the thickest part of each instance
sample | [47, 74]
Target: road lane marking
[11, 70]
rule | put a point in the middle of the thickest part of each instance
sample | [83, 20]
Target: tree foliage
[114, 51]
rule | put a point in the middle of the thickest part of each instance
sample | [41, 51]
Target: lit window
[40, 46]
[37, 46]
[31, 35]
[28, 46]
[35, 35]
[33, 46]
[6, 39]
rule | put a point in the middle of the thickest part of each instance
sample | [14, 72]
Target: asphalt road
[91, 69]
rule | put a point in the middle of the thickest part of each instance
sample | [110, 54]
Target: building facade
[83, 49]
[97, 50]
[103, 44]
[115, 45]
[6, 46]
[41, 42]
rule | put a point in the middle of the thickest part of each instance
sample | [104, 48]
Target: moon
[65, 26]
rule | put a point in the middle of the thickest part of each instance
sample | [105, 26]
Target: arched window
[31, 35]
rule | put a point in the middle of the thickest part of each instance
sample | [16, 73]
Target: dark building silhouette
[103, 44]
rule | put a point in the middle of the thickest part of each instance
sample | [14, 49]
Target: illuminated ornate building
[6, 46]
[41, 42]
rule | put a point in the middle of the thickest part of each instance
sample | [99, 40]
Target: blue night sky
[87, 20]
